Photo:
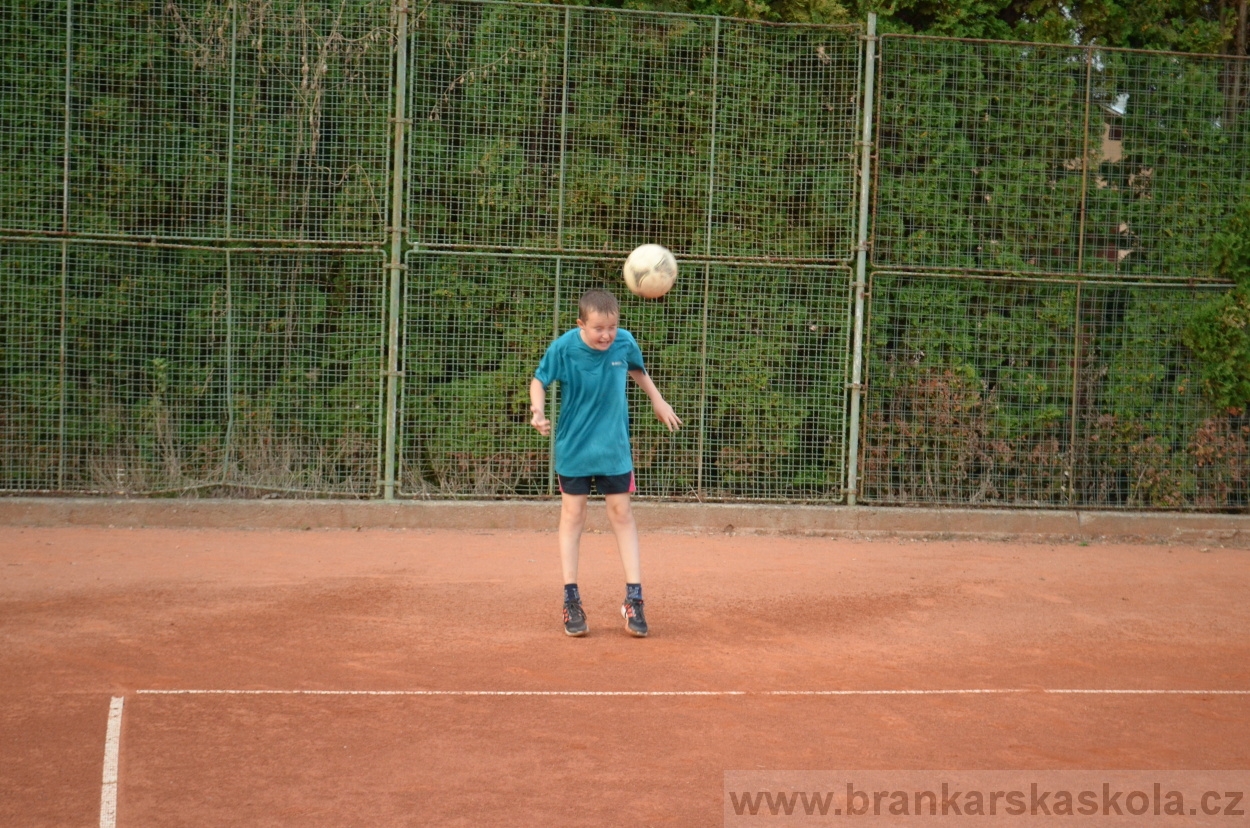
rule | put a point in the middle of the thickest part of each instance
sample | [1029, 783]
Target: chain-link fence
[165, 368]
[1103, 176]
[192, 200]
[751, 356]
[585, 130]
[202, 250]
[975, 398]
[562, 131]
[1042, 159]
[196, 120]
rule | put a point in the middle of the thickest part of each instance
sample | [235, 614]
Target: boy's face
[599, 329]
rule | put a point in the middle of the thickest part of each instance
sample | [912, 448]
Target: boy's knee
[573, 510]
[620, 509]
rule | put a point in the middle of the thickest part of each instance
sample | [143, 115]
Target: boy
[592, 441]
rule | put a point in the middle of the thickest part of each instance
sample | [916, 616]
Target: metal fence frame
[707, 83]
[397, 241]
[692, 354]
[1093, 60]
[1185, 471]
[933, 433]
[700, 258]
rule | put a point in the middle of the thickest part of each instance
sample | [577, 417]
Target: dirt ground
[87, 614]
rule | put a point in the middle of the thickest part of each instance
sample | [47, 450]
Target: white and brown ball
[650, 271]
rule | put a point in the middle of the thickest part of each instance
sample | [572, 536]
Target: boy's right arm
[538, 402]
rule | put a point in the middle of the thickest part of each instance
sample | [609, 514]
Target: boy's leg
[621, 516]
[572, 519]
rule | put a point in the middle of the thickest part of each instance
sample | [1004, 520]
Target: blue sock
[570, 593]
[633, 592]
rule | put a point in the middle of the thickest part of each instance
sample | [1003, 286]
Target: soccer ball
[650, 271]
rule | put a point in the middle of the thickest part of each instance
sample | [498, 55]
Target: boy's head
[600, 301]
[598, 315]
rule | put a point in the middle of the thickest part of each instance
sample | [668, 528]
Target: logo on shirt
[617, 362]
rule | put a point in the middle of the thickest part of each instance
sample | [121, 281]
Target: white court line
[956, 692]
[1160, 692]
[446, 692]
[112, 744]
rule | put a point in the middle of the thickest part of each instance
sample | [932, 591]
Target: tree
[1209, 26]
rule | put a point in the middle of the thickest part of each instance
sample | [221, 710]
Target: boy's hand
[665, 414]
[540, 422]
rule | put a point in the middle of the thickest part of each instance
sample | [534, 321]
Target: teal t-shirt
[592, 429]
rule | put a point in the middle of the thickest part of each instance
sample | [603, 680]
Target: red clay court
[421, 677]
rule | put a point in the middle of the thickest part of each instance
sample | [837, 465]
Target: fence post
[701, 442]
[1073, 426]
[861, 263]
[63, 345]
[1085, 159]
[554, 401]
[396, 267]
[228, 453]
[1073, 463]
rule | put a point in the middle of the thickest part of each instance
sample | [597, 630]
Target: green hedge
[659, 119]
[151, 108]
[724, 140]
[189, 368]
[981, 148]
[760, 386]
[973, 397]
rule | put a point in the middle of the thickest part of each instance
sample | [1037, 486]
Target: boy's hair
[600, 301]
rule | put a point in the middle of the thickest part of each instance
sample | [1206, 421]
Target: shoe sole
[577, 634]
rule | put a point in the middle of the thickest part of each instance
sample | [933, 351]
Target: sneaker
[635, 621]
[574, 619]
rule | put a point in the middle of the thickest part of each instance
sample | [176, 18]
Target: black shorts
[606, 484]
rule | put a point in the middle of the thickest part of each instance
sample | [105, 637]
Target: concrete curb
[865, 521]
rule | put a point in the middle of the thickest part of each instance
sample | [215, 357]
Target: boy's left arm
[663, 411]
